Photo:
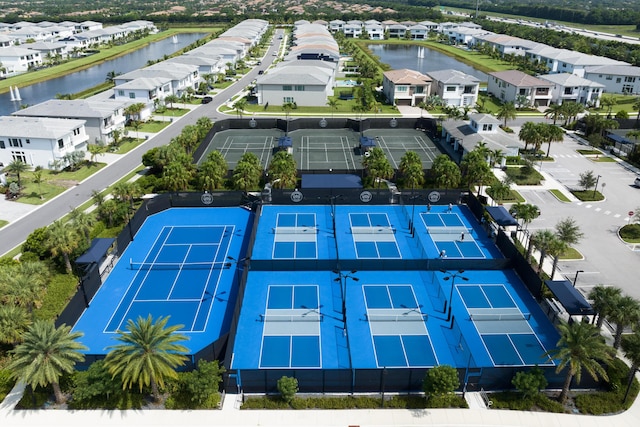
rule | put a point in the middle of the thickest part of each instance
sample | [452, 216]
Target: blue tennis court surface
[171, 269]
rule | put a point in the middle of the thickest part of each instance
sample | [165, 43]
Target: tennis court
[504, 328]
[232, 144]
[185, 272]
[373, 235]
[329, 148]
[396, 142]
[451, 236]
[295, 236]
[398, 344]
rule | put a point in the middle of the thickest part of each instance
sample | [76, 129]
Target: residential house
[418, 32]
[397, 31]
[39, 141]
[569, 87]
[520, 88]
[6, 41]
[336, 25]
[101, 117]
[305, 83]
[374, 30]
[463, 137]
[353, 31]
[405, 87]
[50, 51]
[18, 60]
[455, 87]
[615, 78]
[182, 76]
[149, 91]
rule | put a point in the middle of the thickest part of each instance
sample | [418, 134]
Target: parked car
[261, 72]
[207, 99]
[637, 182]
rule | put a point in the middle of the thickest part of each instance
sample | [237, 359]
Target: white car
[637, 182]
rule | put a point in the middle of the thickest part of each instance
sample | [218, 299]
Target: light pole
[595, 190]
[343, 289]
[452, 277]
[575, 279]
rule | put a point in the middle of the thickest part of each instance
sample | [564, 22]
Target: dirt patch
[65, 183]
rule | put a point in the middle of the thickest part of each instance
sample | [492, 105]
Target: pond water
[85, 79]
[406, 56]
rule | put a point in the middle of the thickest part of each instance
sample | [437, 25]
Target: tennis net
[309, 317]
[372, 230]
[448, 230]
[295, 230]
[500, 316]
[178, 265]
[404, 317]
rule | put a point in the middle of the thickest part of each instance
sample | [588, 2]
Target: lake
[85, 79]
[406, 56]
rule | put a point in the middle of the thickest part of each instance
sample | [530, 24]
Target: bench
[485, 397]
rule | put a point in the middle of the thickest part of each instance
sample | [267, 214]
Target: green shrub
[6, 383]
[529, 383]
[60, 289]
[37, 243]
[288, 387]
[96, 388]
[517, 402]
[197, 389]
[524, 175]
[630, 231]
[441, 380]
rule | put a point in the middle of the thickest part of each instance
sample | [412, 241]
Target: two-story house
[569, 87]
[405, 87]
[520, 88]
[455, 87]
[40, 141]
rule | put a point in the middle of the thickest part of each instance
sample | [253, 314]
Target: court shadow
[419, 413]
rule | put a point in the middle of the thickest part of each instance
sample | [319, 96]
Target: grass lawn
[53, 183]
[571, 254]
[603, 159]
[590, 152]
[3, 223]
[524, 175]
[151, 126]
[128, 144]
[559, 195]
[172, 112]
[588, 196]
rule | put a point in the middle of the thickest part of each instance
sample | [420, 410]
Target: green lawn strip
[588, 196]
[129, 145]
[571, 254]
[34, 194]
[3, 223]
[559, 195]
[524, 175]
[151, 126]
[603, 159]
[589, 152]
[172, 112]
[105, 54]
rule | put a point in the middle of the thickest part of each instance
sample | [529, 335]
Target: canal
[406, 56]
[85, 79]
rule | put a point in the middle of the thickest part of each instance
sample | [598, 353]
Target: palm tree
[171, 99]
[554, 111]
[543, 240]
[636, 107]
[529, 134]
[604, 299]
[377, 165]
[333, 104]
[247, 172]
[147, 354]
[14, 322]
[507, 111]
[552, 133]
[213, 171]
[126, 191]
[475, 169]
[445, 172]
[176, 176]
[239, 106]
[631, 349]
[17, 167]
[608, 101]
[83, 223]
[626, 312]
[63, 241]
[45, 354]
[581, 347]
[282, 169]
[556, 250]
[525, 213]
[411, 169]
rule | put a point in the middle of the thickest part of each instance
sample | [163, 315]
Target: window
[28, 141]
[120, 92]
[15, 142]
[299, 88]
[568, 91]
[288, 99]
[629, 79]
[522, 92]
[132, 95]
[76, 131]
[419, 89]
[401, 88]
[618, 80]
[19, 155]
[450, 88]
[487, 127]
[469, 89]
[60, 143]
[286, 88]
[2, 144]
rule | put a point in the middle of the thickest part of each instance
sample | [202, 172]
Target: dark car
[207, 99]
[261, 72]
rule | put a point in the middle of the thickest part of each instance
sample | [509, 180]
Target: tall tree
[507, 111]
[45, 354]
[171, 99]
[282, 170]
[626, 312]
[568, 231]
[83, 222]
[333, 104]
[604, 299]
[445, 172]
[475, 169]
[411, 170]
[552, 133]
[247, 172]
[377, 166]
[631, 348]
[239, 106]
[147, 354]
[554, 112]
[62, 241]
[543, 240]
[14, 322]
[213, 171]
[529, 134]
[580, 348]
[176, 177]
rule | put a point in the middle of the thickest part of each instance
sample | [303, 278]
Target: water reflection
[406, 56]
[85, 79]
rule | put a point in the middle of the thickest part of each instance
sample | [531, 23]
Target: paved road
[16, 232]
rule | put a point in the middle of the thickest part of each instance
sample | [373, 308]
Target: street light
[452, 277]
[412, 225]
[596, 187]
[575, 279]
[343, 290]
